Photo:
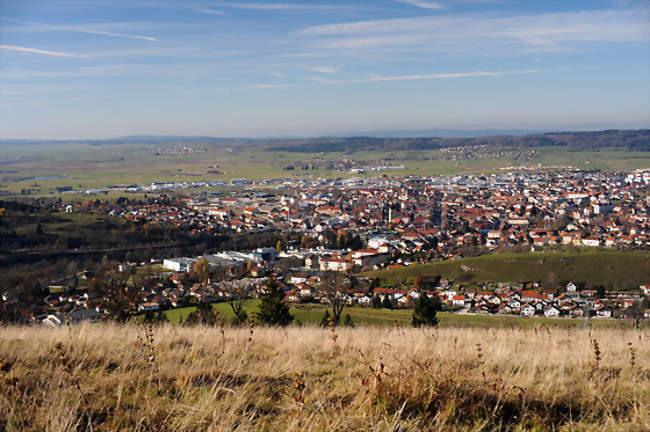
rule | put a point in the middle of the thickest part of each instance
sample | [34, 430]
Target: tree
[151, 317]
[425, 312]
[273, 310]
[347, 321]
[236, 294]
[203, 315]
[333, 286]
[376, 302]
[600, 291]
[278, 246]
[201, 270]
[636, 312]
[120, 294]
[387, 303]
[39, 229]
[327, 318]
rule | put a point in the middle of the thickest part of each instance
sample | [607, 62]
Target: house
[576, 311]
[298, 278]
[335, 264]
[604, 312]
[591, 242]
[527, 310]
[458, 300]
[551, 312]
[504, 309]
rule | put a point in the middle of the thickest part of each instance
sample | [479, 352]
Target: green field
[312, 314]
[605, 268]
[84, 166]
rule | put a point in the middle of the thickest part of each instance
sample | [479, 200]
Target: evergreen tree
[425, 312]
[273, 310]
[347, 321]
[376, 302]
[387, 303]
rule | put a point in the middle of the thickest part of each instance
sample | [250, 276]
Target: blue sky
[102, 68]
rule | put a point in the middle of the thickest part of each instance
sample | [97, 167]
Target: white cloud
[325, 69]
[268, 86]
[486, 33]
[378, 78]
[285, 6]
[105, 33]
[424, 4]
[40, 51]
[101, 29]
[278, 75]
[210, 11]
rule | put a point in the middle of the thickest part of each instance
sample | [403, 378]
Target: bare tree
[636, 313]
[333, 286]
[237, 293]
[120, 294]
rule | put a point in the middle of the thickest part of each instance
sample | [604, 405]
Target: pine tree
[376, 302]
[425, 312]
[387, 303]
[273, 310]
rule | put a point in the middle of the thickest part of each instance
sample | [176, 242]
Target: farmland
[39, 169]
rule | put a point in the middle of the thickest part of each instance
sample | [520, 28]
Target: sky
[78, 69]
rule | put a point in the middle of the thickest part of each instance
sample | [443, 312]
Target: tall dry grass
[129, 378]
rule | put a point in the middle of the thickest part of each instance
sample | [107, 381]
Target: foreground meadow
[138, 378]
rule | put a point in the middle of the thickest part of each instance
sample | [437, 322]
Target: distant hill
[441, 133]
[633, 140]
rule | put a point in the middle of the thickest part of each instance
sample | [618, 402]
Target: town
[353, 226]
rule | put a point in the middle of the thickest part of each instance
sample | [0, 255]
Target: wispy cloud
[287, 6]
[41, 51]
[424, 4]
[467, 32]
[325, 69]
[211, 11]
[105, 33]
[268, 86]
[278, 75]
[377, 78]
[39, 26]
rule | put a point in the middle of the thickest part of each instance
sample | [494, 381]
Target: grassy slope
[109, 378]
[614, 270]
[311, 314]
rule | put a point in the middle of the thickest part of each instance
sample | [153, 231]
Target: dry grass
[108, 377]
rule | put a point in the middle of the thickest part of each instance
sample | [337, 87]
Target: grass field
[134, 378]
[551, 268]
[312, 314]
[85, 166]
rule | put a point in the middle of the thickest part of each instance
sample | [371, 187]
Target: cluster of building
[397, 221]
[443, 217]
